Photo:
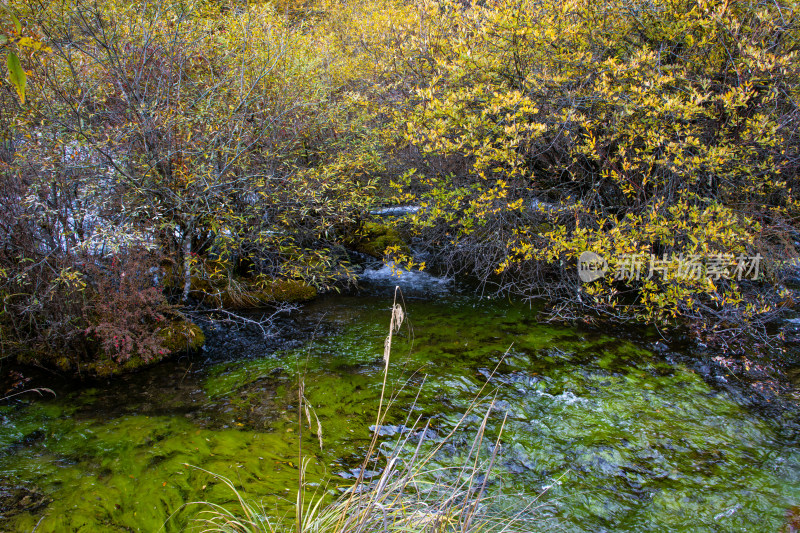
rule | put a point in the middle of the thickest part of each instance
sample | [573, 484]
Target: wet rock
[15, 499]
[792, 524]
[521, 379]
[449, 450]
[355, 472]
[471, 420]
[374, 238]
[606, 468]
[659, 347]
[791, 330]
[514, 467]
[727, 513]
[519, 460]
[389, 431]
[427, 434]
[226, 340]
[502, 405]
[703, 369]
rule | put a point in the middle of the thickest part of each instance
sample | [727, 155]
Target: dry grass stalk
[411, 495]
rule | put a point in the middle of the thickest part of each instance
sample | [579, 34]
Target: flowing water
[601, 435]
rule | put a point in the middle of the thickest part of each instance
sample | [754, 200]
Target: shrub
[546, 129]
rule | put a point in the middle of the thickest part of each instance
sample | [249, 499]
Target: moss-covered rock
[177, 336]
[15, 499]
[103, 367]
[216, 283]
[287, 290]
[374, 238]
[170, 277]
[243, 293]
[206, 274]
[181, 335]
[228, 294]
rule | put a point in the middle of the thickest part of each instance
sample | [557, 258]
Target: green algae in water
[602, 434]
[131, 473]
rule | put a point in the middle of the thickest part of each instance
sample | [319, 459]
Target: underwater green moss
[131, 473]
[601, 434]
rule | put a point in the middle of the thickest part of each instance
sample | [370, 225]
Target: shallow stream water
[601, 434]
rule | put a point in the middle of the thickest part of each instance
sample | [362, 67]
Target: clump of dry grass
[412, 494]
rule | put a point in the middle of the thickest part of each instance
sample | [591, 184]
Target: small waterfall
[395, 211]
[410, 281]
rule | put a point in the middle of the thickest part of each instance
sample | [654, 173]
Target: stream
[600, 433]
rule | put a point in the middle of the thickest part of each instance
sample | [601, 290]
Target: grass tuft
[412, 494]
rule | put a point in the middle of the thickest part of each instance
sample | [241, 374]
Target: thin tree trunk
[187, 263]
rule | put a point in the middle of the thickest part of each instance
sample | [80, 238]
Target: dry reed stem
[387, 505]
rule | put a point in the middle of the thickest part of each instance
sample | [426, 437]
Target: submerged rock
[355, 472]
[389, 431]
[424, 434]
[15, 499]
[792, 520]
